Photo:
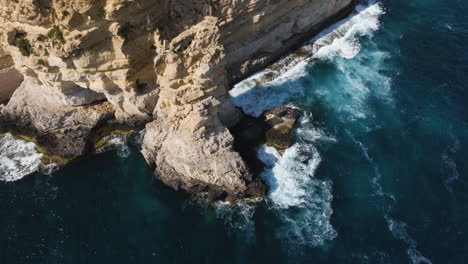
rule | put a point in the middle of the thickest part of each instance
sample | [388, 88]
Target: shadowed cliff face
[10, 78]
[170, 63]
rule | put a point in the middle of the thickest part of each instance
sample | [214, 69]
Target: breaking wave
[288, 174]
[281, 82]
[18, 158]
[342, 39]
[301, 200]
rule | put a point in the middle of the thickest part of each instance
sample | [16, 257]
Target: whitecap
[281, 82]
[290, 174]
[18, 158]
[342, 40]
[301, 201]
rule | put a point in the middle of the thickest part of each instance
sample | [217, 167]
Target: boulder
[281, 120]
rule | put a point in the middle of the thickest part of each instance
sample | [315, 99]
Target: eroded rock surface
[60, 130]
[10, 78]
[165, 63]
[281, 120]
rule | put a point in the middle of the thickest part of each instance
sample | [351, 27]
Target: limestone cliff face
[10, 78]
[167, 62]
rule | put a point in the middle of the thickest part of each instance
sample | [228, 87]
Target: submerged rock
[282, 120]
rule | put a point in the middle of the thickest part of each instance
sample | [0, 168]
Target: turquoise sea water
[378, 175]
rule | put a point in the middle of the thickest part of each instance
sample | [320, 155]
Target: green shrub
[41, 62]
[101, 12]
[53, 13]
[51, 32]
[55, 33]
[212, 3]
[65, 14]
[41, 37]
[24, 47]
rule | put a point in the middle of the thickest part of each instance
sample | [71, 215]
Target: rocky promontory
[69, 69]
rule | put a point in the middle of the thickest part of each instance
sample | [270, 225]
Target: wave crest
[301, 201]
[281, 82]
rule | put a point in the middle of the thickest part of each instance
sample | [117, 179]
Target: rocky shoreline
[93, 67]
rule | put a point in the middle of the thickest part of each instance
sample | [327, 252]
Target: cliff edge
[69, 69]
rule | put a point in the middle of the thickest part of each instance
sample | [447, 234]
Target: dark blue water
[378, 175]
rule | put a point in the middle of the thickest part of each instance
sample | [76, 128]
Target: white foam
[139, 137]
[377, 175]
[18, 158]
[397, 228]
[116, 142]
[290, 174]
[49, 169]
[254, 100]
[308, 131]
[302, 201]
[343, 40]
[236, 216]
[261, 92]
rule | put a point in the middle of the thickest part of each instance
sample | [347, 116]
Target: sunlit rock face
[165, 63]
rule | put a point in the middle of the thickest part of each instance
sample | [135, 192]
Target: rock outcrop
[187, 141]
[281, 121]
[165, 63]
[10, 78]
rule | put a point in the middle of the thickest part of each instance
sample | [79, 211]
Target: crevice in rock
[249, 134]
[10, 78]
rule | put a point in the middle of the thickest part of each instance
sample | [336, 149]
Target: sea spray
[282, 83]
[342, 39]
[288, 174]
[18, 158]
[301, 201]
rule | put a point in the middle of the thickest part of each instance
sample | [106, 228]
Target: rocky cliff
[71, 68]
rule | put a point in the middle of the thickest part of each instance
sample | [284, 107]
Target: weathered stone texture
[165, 63]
